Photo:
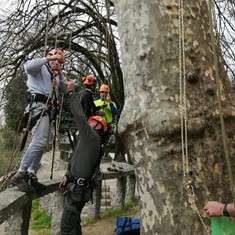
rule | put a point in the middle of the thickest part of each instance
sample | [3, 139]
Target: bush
[40, 220]
[7, 139]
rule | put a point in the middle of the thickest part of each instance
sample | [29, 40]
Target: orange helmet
[104, 88]
[56, 51]
[100, 120]
[89, 80]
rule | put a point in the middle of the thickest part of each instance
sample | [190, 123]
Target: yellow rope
[194, 207]
[224, 135]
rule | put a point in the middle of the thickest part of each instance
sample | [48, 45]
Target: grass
[40, 220]
[116, 212]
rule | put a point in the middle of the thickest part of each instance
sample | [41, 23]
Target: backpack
[127, 226]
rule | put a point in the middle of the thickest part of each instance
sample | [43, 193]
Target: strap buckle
[81, 181]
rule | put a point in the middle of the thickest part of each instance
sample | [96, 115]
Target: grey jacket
[39, 77]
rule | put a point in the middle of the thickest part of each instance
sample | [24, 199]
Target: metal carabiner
[190, 190]
[32, 98]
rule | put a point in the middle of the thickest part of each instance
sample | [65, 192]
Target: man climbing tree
[172, 113]
[45, 81]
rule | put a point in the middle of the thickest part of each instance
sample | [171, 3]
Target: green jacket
[109, 110]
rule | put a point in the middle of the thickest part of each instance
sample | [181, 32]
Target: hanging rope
[53, 90]
[57, 25]
[224, 135]
[183, 108]
[47, 27]
[183, 115]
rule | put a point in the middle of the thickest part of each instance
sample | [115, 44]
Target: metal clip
[81, 181]
[33, 96]
[190, 190]
[189, 185]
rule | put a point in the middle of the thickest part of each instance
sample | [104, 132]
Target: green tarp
[222, 226]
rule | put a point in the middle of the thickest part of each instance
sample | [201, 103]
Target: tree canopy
[84, 30]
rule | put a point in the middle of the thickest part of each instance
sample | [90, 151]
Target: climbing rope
[224, 135]
[47, 27]
[55, 104]
[57, 25]
[183, 105]
[183, 114]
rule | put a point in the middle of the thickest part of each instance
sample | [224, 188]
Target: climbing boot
[21, 179]
[33, 181]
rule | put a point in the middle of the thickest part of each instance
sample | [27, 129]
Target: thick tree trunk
[151, 121]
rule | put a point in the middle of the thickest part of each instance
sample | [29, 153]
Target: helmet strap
[99, 131]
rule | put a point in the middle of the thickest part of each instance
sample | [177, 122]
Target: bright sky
[5, 6]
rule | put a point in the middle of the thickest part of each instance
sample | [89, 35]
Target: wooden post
[19, 222]
[57, 204]
[94, 212]
[131, 183]
[26, 214]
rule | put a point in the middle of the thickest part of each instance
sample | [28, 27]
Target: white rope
[183, 113]
[47, 27]
[57, 25]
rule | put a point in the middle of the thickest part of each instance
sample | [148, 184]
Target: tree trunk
[151, 118]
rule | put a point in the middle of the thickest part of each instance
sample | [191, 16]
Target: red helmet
[56, 51]
[104, 88]
[100, 120]
[89, 80]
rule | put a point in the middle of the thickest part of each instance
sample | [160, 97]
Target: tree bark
[151, 122]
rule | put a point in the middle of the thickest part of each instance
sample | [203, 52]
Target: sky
[5, 5]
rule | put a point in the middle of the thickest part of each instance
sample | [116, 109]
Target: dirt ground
[107, 226]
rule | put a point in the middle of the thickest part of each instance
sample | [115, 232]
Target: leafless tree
[85, 30]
